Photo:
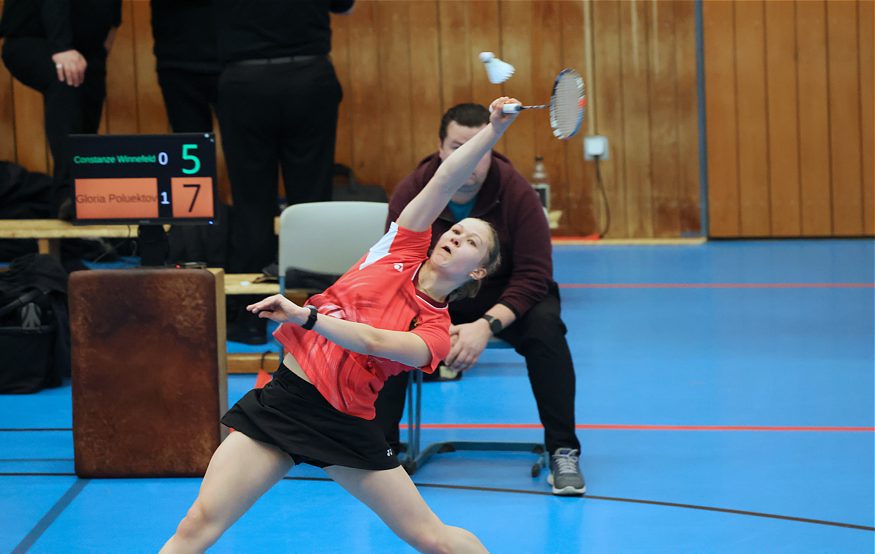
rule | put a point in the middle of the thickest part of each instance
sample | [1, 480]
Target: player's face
[463, 248]
[457, 135]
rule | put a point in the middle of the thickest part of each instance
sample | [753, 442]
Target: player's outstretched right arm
[426, 206]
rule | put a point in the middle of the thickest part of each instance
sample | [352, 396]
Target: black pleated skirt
[292, 415]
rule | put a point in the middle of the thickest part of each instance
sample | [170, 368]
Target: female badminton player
[385, 315]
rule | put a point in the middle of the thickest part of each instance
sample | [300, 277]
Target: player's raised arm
[426, 206]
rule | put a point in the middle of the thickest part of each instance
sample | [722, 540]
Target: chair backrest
[328, 237]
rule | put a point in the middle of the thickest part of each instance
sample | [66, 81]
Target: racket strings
[567, 105]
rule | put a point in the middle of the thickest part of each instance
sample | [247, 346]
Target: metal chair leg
[415, 457]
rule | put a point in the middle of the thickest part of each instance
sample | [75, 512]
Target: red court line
[717, 286]
[623, 427]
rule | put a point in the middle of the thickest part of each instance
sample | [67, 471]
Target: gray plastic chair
[328, 237]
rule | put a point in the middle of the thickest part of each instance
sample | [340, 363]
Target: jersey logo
[399, 267]
[389, 452]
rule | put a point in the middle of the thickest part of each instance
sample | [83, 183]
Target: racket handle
[511, 108]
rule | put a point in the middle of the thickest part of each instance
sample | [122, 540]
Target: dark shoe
[565, 476]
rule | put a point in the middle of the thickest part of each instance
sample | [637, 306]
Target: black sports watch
[495, 324]
[311, 319]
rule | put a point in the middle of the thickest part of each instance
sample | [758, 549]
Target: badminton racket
[567, 103]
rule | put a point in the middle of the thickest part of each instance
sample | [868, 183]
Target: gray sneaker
[565, 475]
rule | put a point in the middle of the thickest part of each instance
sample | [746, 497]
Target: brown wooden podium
[148, 371]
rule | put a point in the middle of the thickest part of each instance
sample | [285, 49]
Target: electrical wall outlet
[595, 146]
[543, 191]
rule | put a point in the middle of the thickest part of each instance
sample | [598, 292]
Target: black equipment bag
[34, 325]
[23, 195]
[347, 188]
[312, 280]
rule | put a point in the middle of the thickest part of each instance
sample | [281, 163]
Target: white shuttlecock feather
[497, 71]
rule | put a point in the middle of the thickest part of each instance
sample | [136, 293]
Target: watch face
[494, 325]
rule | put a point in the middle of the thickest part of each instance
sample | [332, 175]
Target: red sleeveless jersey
[378, 290]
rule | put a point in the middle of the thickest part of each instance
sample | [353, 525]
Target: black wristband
[311, 319]
[495, 325]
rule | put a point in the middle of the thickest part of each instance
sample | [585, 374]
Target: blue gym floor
[724, 403]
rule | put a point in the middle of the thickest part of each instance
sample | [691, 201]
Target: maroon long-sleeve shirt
[512, 206]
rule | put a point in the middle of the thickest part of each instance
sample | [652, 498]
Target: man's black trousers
[275, 115]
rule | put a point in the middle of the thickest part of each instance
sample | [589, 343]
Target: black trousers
[538, 336]
[275, 115]
[68, 110]
[190, 98]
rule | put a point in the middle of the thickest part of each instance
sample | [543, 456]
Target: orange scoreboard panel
[144, 179]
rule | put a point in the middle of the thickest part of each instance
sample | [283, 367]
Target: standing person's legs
[189, 97]
[29, 59]
[241, 470]
[93, 95]
[539, 336]
[63, 117]
[70, 111]
[248, 117]
[248, 113]
[312, 95]
[393, 496]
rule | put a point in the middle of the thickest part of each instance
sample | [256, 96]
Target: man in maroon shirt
[518, 303]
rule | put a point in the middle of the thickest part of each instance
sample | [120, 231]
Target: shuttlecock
[497, 71]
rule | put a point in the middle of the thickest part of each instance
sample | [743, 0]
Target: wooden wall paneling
[814, 154]
[607, 100]
[364, 94]
[547, 60]
[121, 78]
[753, 155]
[634, 17]
[151, 115]
[516, 46]
[396, 104]
[455, 64]
[867, 119]
[844, 112]
[783, 122]
[718, 22]
[7, 113]
[22, 134]
[483, 36]
[577, 196]
[31, 147]
[686, 92]
[664, 121]
[340, 30]
[425, 80]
